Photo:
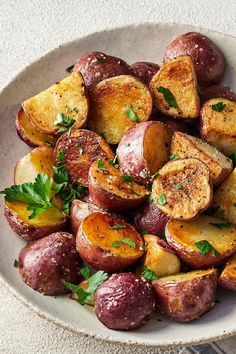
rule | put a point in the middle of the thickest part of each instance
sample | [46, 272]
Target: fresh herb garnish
[129, 242]
[220, 225]
[155, 175]
[75, 109]
[16, 263]
[131, 114]
[101, 59]
[101, 165]
[80, 149]
[118, 226]
[161, 200]
[70, 68]
[205, 248]
[173, 157]
[218, 107]
[85, 272]
[150, 198]
[114, 162]
[144, 232]
[64, 122]
[134, 192]
[168, 96]
[127, 179]
[48, 143]
[233, 158]
[115, 244]
[179, 186]
[148, 274]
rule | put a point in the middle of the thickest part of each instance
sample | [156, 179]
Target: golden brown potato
[117, 104]
[184, 146]
[113, 191]
[108, 243]
[29, 134]
[218, 124]
[202, 243]
[225, 198]
[182, 189]
[67, 96]
[227, 278]
[81, 147]
[174, 89]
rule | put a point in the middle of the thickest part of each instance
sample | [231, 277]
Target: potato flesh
[229, 271]
[185, 183]
[179, 77]
[97, 228]
[39, 160]
[225, 198]
[62, 97]
[219, 128]
[109, 99]
[187, 276]
[187, 233]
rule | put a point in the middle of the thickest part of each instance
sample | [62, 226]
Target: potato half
[227, 278]
[182, 188]
[108, 243]
[186, 146]
[186, 296]
[67, 96]
[117, 104]
[177, 76]
[182, 236]
[218, 126]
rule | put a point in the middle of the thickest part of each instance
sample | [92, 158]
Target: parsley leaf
[218, 107]
[168, 96]
[173, 157]
[150, 198]
[129, 242]
[205, 248]
[179, 186]
[144, 232]
[85, 272]
[114, 162]
[118, 226]
[16, 263]
[155, 175]
[127, 179]
[80, 149]
[115, 243]
[148, 274]
[75, 109]
[70, 68]
[95, 280]
[83, 296]
[161, 200]
[64, 122]
[101, 59]
[101, 165]
[131, 114]
[220, 225]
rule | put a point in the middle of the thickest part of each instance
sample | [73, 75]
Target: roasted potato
[184, 146]
[207, 57]
[174, 124]
[143, 150]
[186, 296]
[227, 278]
[108, 243]
[150, 218]
[125, 301]
[81, 147]
[84, 284]
[174, 89]
[67, 96]
[39, 160]
[97, 66]
[144, 70]
[217, 91]
[202, 243]
[159, 257]
[225, 198]
[182, 189]
[113, 191]
[218, 124]
[118, 104]
[44, 263]
[29, 134]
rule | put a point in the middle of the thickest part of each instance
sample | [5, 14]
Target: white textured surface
[29, 29]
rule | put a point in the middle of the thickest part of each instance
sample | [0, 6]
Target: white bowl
[133, 43]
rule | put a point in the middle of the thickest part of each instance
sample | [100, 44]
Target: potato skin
[217, 91]
[144, 70]
[124, 302]
[94, 71]
[227, 278]
[186, 300]
[173, 124]
[44, 263]
[149, 217]
[208, 59]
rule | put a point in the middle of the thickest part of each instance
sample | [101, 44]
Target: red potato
[124, 302]
[217, 91]
[110, 190]
[150, 218]
[108, 243]
[144, 71]
[217, 240]
[174, 124]
[143, 150]
[97, 66]
[207, 57]
[81, 147]
[186, 296]
[227, 278]
[44, 263]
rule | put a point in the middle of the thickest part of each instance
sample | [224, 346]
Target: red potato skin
[94, 71]
[217, 91]
[124, 302]
[22, 136]
[144, 71]
[149, 217]
[208, 59]
[227, 283]
[31, 232]
[44, 263]
[186, 300]
[173, 124]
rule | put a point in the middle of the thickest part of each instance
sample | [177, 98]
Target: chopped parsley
[148, 274]
[179, 186]
[101, 165]
[144, 232]
[85, 272]
[129, 242]
[218, 107]
[161, 200]
[115, 244]
[118, 226]
[150, 198]
[16, 263]
[70, 68]
[101, 59]
[168, 96]
[75, 109]
[173, 157]
[205, 248]
[131, 114]
[114, 162]
[80, 149]
[64, 122]
[127, 179]
[155, 174]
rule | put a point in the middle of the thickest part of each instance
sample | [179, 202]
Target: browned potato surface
[227, 277]
[143, 150]
[118, 104]
[182, 189]
[44, 263]
[113, 191]
[178, 77]
[184, 146]
[218, 240]
[186, 296]
[207, 57]
[108, 243]
[217, 91]
[67, 96]
[218, 127]
[144, 70]
[81, 147]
